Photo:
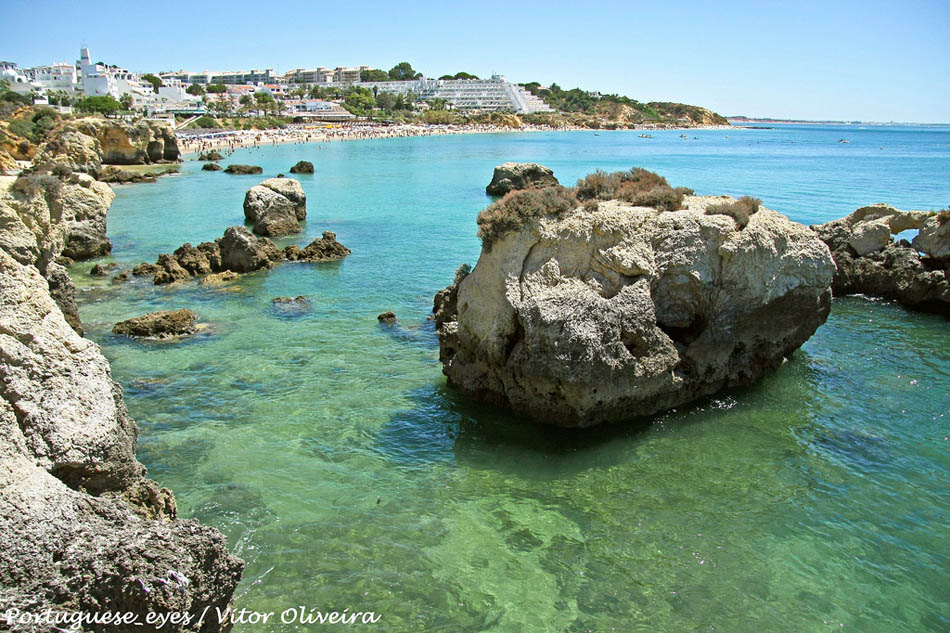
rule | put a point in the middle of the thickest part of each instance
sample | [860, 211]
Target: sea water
[331, 453]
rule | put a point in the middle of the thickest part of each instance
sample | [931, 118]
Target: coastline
[236, 139]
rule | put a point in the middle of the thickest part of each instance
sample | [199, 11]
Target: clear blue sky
[867, 60]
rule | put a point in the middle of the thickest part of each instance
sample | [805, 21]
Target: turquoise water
[348, 475]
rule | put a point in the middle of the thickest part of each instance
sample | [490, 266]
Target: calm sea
[348, 475]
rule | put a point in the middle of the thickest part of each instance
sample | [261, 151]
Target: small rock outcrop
[212, 155]
[119, 176]
[243, 169]
[88, 143]
[611, 311]
[388, 317]
[276, 207]
[322, 249]
[302, 167]
[869, 261]
[159, 325]
[291, 307]
[211, 167]
[513, 176]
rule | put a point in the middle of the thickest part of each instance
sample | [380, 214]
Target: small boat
[683, 136]
[646, 136]
[843, 140]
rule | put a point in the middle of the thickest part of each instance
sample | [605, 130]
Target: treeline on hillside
[593, 103]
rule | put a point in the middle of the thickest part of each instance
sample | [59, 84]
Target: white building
[485, 95]
[18, 79]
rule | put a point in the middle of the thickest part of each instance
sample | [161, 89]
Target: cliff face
[84, 529]
[613, 311]
[87, 144]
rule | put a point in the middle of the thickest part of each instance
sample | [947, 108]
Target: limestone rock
[934, 237]
[71, 149]
[131, 143]
[388, 317]
[63, 291]
[211, 167]
[192, 259]
[242, 252]
[290, 189]
[322, 249]
[273, 215]
[870, 237]
[870, 263]
[302, 167]
[614, 312]
[215, 279]
[169, 270]
[243, 169]
[211, 155]
[145, 269]
[511, 176]
[161, 325]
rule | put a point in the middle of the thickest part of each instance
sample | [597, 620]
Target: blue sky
[871, 60]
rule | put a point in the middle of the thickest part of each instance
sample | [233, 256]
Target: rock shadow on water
[445, 426]
[416, 333]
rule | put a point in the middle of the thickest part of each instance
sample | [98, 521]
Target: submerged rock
[870, 263]
[608, 312]
[98, 271]
[243, 169]
[302, 167]
[388, 317]
[291, 306]
[161, 325]
[513, 176]
[219, 278]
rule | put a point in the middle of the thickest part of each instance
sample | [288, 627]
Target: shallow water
[348, 475]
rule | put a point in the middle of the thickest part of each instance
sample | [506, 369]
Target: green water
[330, 452]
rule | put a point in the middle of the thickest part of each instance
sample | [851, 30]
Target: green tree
[460, 75]
[155, 81]
[374, 75]
[126, 101]
[403, 71]
[386, 101]
[103, 105]
[359, 101]
[246, 100]
[217, 89]
[438, 104]
[195, 89]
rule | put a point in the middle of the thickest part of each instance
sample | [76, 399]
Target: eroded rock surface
[322, 249]
[614, 311]
[302, 167]
[160, 325]
[869, 261]
[83, 528]
[243, 169]
[513, 176]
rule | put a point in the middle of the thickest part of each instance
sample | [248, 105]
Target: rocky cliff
[88, 143]
[606, 311]
[83, 528]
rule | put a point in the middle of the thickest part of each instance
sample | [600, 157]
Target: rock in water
[160, 325]
[608, 312]
[212, 155]
[243, 169]
[242, 252]
[276, 207]
[870, 263]
[211, 167]
[302, 167]
[322, 249]
[514, 176]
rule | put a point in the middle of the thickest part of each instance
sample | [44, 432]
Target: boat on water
[646, 136]
[843, 140]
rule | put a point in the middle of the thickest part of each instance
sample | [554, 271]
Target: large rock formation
[136, 143]
[514, 176]
[276, 207]
[607, 311]
[87, 144]
[83, 528]
[870, 262]
[242, 252]
[302, 167]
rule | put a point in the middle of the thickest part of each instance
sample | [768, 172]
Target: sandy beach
[196, 141]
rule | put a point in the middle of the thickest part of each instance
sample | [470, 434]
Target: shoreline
[299, 135]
